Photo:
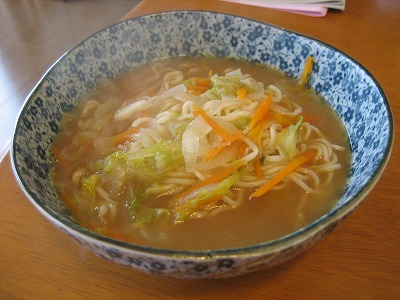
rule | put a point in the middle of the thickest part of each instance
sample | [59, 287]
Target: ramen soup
[200, 154]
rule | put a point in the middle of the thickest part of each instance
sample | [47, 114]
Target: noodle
[151, 160]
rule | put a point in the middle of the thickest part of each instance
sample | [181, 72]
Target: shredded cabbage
[89, 184]
[228, 85]
[286, 140]
[148, 165]
[192, 202]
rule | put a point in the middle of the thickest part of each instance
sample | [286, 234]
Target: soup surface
[200, 153]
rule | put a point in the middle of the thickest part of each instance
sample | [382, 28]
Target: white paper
[314, 8]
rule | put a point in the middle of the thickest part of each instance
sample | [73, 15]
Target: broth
[87, 139]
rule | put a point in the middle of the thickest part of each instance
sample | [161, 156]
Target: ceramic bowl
[347, 86]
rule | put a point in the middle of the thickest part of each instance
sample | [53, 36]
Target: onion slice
[195, 131]
[126, 112]
[174, 92]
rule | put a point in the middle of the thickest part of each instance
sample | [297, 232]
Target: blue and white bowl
[347, 86]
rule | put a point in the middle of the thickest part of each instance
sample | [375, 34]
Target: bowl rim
[279, 244]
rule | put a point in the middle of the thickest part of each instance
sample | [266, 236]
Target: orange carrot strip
[197, 88]
[202, 81]
[241, 93]
[257, 167]
[123, 136]
[241, 150]
[200, 85]
[305, 75]
[285, 120]
[203, 203]
[226, 136]
[289, 168]
[214, 151]
[261, 112]
[255, 135]
[217, 177]
[217, 149]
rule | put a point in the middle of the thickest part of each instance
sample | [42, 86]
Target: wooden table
[359, 260]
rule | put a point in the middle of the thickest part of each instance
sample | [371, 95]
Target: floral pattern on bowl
[347, 86]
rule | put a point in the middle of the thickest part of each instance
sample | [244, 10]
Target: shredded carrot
[201, 84]
[241, 93]
[256, 136]
[123, 136]
[305, 75]
[225, 135]
[203, 203]
[256, 124]
[285, 171]
[257, 167]
[202, 81]
[261, 112]
[197, 88]
[217, 177]
[241, 150]
[214, 151]
[284, 120]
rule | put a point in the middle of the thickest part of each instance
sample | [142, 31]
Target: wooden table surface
[358, 260]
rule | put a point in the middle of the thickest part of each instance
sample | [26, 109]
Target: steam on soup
[200, 153]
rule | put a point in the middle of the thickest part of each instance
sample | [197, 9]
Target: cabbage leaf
[228, 85]
[200, 198]
[286, 140]
[148, 165]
